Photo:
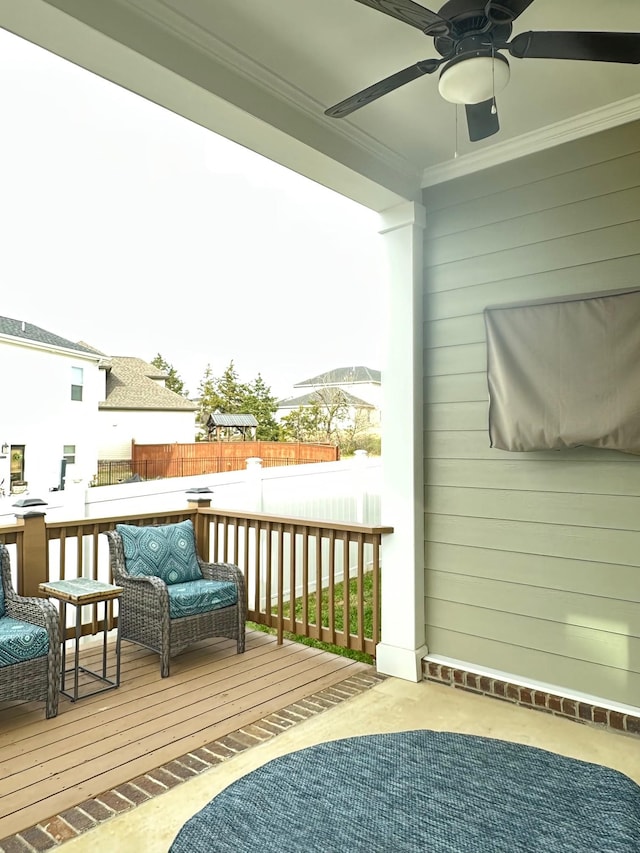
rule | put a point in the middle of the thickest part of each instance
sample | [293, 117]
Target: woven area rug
[433, 792]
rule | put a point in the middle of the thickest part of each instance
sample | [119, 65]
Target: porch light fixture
[473, 79]
[5, 449]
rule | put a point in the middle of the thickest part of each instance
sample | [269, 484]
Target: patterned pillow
[167, 551]
[1, 596]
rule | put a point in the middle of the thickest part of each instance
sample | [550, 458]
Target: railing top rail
[353, 526]
[110, 521]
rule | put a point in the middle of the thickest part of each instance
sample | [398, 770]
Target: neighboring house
[359, 387]
[138, 407]
[360, 381]
[50, 388]
[518, 567]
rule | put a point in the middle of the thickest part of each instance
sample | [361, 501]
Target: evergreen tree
[174, 381]
[208, 400]
[231, 392]
[261, 403]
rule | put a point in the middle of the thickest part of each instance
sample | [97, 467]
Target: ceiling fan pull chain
[455, 152]
[494, 109]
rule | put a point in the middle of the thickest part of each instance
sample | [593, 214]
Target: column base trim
[400, 662]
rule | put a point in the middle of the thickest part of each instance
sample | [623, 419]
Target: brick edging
[537, 700]
[50, 833]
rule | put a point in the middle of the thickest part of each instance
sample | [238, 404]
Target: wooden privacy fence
[314, 579]
[149, 461]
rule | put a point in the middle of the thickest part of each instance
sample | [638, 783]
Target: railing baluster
[319, 586]
[332, 586]
[280, 580]
[292, 580]
[274, 575]
[346, 592]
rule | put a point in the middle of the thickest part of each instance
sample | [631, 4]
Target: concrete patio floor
[392, 705]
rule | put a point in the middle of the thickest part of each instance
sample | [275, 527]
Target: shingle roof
[29, 332]
[317, 397]
[131, 385]
[342, 376]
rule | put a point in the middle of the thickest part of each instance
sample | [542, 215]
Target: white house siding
[119, 427]
[38, 412]
[532, 559]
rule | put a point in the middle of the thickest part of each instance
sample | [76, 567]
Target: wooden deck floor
[48, 766]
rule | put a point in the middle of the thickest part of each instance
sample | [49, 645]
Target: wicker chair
[147, 601]
[37, 677]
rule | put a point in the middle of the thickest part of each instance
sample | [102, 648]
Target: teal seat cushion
[189, 599]
[21, 641]
[167, 551]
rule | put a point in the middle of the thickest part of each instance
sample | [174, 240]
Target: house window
[69, 454]
[76, 383]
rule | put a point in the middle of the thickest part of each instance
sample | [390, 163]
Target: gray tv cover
[565, 373]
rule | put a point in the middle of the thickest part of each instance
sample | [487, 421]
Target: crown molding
[262, 78]
[611, 115]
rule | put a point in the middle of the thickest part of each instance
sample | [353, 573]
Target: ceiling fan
[468, 35]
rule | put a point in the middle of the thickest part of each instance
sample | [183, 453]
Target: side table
[81, 591]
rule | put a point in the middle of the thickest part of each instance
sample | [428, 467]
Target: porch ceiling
[262, 73]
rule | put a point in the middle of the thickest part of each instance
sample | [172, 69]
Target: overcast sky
[134, 230]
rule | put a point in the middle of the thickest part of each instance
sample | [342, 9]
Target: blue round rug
[433, 792]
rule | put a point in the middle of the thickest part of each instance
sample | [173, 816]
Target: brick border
[537, 700]
[50, 833]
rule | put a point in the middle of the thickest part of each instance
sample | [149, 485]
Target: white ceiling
[279, 63]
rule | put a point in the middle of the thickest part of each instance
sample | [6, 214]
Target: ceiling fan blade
[595, 47]
[371, 93]
[506, 10]
[411, 13]
[481, 121]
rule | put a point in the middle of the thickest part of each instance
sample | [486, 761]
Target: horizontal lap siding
[532, 559]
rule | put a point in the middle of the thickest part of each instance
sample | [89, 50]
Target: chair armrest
[37, 611]
[145, 585]
[221, 572]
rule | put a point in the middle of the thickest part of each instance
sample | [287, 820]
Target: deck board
[102, 741]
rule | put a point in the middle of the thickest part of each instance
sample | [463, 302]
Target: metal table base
[76, 669]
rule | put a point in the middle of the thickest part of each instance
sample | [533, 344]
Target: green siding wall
[532, 560]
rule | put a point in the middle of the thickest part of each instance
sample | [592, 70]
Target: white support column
[403, 617]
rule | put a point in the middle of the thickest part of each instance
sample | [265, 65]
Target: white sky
[130, 228]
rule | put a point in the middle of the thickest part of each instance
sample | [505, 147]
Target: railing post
[360, 471]
[197, 499]
[254, 481]
[33, 567]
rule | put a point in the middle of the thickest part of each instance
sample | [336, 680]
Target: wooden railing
[315, 579]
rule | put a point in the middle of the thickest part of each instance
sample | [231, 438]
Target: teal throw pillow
[167, 551]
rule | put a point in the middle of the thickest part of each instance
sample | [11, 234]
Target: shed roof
[231, 420]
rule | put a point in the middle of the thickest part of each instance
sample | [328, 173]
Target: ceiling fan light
[473, 79]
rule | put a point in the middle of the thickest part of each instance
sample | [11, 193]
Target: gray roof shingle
[319, 397]
[28, 332]
[343, 376]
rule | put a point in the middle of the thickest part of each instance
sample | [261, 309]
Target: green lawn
[339, 617]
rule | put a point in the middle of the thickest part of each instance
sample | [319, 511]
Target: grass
[338, 617]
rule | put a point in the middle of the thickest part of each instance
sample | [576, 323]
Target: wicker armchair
[36, 621]
[147, 607]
